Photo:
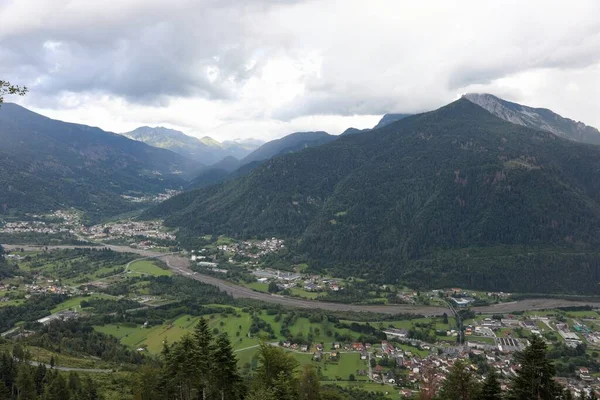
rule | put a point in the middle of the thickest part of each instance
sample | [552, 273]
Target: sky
[266, 68]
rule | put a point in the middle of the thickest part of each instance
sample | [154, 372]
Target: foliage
[79, 338]
[34, 308]
[460, 384]
[535, 377]
[19, 380]
[6, 88]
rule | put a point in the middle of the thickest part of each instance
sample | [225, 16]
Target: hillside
[288, 144]
[48, 164]
[205, 150]
[455, 196]
[230, 168]
[536, 118]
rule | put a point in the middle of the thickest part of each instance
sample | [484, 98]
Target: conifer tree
[226, 379]
[535, 376]
[460, 384]
[202, 356]
[490, 390]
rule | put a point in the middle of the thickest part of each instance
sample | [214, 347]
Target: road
[92, 370]
[180, 265]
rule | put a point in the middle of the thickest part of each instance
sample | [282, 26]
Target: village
[409, 365]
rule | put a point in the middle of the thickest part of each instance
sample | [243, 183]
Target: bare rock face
[536, 118]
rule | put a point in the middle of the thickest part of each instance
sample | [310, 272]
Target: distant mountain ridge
[205, 150]
[48, 164]
[288, 144]
[536, 118]
[230, 169]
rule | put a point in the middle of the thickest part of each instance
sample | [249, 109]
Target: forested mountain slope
[455, 196]
[47, 164]
[288, 144]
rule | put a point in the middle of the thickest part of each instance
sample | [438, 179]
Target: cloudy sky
[265, 68]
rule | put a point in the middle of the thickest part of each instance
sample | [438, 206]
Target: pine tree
[535, 376]
[203, 354]
[460, 384]
[226, 379]
[40, 376]
[490, 389]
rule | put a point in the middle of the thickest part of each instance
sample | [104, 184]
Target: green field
[74, 302]
[147, 267]
[174, 330]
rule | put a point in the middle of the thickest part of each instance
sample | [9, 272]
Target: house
[311, 287]
[584, 374]
[363, 355]
[304, 348]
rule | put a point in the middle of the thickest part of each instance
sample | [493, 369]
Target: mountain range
[48, 164]
[455, 196]
[205, 150]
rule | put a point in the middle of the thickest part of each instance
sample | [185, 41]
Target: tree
[460, 384]
[6, 88]
[226, 379]
[145, 384]
[277, 372]
[445, 318]
[203, 355]
[56, 388]
[25, 383]
[490, 389]
[52, 362]
[273, 288]
[535, 376]
[310, 388]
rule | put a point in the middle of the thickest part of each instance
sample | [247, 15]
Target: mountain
[536, 118]
[206, 150]
[452, 197]
[216, 173]
[288, 144]
[354, 131]
[231, 168]
[240, 148]
[48, 164]
[389, 118]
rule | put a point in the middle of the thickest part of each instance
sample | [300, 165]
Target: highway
[180, 265]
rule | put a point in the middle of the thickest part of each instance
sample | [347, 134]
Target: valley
[373, 263]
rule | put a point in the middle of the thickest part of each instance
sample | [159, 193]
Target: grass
[145, 267]
[303, 293]
[75, 302]
[259, 286]
[174, 330]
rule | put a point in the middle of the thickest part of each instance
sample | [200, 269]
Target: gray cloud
[221, 65]
[143, 51]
